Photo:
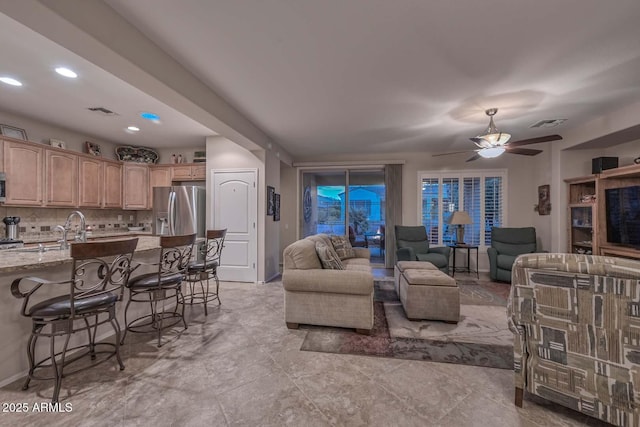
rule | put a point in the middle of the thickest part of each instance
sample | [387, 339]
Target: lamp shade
[460, 218]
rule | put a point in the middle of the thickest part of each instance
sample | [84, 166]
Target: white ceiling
[51, 98]
[336, 76]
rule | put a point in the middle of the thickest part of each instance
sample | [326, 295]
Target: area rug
[481, 338]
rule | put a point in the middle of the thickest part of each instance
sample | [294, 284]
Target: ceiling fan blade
[451, 152]
[525, 151]
[474, 157]
[537, 140]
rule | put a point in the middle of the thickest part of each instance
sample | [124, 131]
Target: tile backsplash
[38, 223]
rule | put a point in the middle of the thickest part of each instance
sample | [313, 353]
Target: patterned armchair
[576, 321]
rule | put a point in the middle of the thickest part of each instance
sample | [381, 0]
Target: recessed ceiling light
[150, 116]
[133, 129]
[66, 72]
[10, 81]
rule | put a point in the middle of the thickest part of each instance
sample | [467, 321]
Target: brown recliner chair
[354, 242]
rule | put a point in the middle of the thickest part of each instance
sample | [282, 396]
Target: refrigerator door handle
[172, 213]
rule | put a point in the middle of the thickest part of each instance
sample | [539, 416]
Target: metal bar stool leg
[31, 349]
[116, 328]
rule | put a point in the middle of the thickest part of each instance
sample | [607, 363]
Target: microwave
[3, 187]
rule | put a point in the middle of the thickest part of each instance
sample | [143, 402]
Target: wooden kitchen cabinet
[180, 173]
[159, 176]
[91, 182]
[199, 172]
[61, 178]
[193, 172]
[112, 185]
[135, 184]
[23, 170]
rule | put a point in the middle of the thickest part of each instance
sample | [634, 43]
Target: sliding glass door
[346, 202]
[323, 208]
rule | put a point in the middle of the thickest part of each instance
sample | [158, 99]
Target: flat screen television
[623, 215]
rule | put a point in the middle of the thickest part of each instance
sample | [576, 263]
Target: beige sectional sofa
[317, 296]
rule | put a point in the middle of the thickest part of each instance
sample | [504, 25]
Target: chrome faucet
[81, 234]
[63, 238]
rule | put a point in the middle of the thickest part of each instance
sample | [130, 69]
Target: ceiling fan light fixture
[494, 139]
[490, 153]
[492, 135]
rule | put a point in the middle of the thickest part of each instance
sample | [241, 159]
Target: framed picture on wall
[544, 200]
[271, 191]
[276, 207]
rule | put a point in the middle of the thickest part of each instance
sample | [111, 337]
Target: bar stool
[95, 286]
[200, 272]
[160, 286]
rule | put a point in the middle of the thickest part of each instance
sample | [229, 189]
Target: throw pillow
[328, 257]
[342, 246]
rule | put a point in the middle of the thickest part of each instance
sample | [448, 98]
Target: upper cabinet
[38, 175]
[186, 172]
[112, 185]
[61, 178]
[23, 170]
[159, 176]
[91, 172]
[136, 186]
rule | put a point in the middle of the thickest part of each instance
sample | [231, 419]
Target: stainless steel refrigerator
[179, 210]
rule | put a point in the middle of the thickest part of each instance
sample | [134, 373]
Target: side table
[467, 268]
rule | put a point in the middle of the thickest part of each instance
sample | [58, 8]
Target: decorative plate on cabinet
[127, 153]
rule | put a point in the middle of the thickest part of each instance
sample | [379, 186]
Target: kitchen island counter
[54, 266]
[14, 260]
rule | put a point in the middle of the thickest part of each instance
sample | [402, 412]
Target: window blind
[479, 193]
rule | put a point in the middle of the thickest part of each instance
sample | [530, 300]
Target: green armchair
[506, 245]
[412, 245]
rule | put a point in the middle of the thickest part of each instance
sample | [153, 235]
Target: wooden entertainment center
[587, 223]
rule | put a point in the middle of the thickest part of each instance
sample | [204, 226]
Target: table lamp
[460, 218]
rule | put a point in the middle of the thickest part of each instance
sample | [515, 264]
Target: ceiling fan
[493, 143]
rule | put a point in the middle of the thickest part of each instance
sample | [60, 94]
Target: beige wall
[520, 170]
[524, 175]
[288, 207]
[164, 154]
[41, 132]
[576, 163]
[225, 154]
[271, 227]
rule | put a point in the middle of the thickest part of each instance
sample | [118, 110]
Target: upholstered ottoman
[429, 294]
[401, 266]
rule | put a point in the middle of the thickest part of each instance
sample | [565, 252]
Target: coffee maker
[11, 233]
[11, 227]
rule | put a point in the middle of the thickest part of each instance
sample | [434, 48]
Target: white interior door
[235, 207]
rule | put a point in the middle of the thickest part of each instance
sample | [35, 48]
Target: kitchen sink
[42, 249]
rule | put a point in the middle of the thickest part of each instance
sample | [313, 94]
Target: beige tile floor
[241, 366]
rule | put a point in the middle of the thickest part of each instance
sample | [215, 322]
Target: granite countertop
[12, 260]
[90, 236]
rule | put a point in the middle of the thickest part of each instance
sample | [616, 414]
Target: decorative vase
[173, 158]
[180, 158]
